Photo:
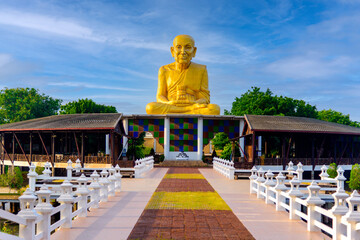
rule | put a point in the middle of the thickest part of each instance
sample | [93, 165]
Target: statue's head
[183, 49]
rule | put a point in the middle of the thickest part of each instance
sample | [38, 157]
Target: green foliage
[257, 102]
[161, 158]
[147, 151]
[220, 140]
[39, 170]
[86, 106]
[337, 117]
[18, 104]
[226, 153]
[136, 147]
[332, 170]
[12, 180]
[354, 181]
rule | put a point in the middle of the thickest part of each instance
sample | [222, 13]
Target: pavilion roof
[264, 123]
[87, 121]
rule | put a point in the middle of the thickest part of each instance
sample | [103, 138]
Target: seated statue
[183, 85]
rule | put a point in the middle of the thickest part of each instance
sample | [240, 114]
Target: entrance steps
[184, 163]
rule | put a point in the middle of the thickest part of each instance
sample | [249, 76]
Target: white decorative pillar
[339, 210]
[83, 192]
[107, 144]
[32, 175]
[44, 207]
[125, 139]
[27, 201]
[293, 194]
[167, 138]
[200, 131]
[259, 146]
[353, 216]
[67, 199]
[242, 141]
[95, 186]
[312, 201]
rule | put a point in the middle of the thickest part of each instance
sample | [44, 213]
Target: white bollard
[83, 192]
[95, 186]
[280, 186]
[118, 177]
[69, 169]
[104, 191]
[66, 198]
[32, 175]
[44, 208]
[312, 201]
[339, 209]
[293, 194]
[353, 216]
[27, 201]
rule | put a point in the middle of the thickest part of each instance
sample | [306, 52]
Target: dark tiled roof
[297, 124]
[90, 121]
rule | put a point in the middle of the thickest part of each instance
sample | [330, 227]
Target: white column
[167, 138]
[259, 145]
[200, 126]
[125, 139]
[242, 143]
[107, 144]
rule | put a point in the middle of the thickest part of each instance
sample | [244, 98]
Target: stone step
[187, 163]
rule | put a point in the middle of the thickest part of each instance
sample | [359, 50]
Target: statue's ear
[172, 51]
[194, 52]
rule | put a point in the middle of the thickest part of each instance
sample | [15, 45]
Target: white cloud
[94, 86]
[64, 27]
[308, 66]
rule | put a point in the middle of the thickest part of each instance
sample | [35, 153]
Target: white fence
[143, 165]
[34, 218]
[306, 203]
[225, 167]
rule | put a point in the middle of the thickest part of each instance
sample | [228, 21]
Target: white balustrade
[143, 165]
[36, 210]
[345, 220]
[224, 167]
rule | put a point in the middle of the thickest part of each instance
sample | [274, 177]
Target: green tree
[18, 104]
[136, 147]
[354, 181]
[220, 140]
[337, 117]
[86, 106]
[257, 102]
[226, 153]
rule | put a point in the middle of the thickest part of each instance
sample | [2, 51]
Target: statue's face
[183, 50]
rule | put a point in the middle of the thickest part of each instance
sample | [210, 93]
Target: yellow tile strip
[187, 200]
[185, 176]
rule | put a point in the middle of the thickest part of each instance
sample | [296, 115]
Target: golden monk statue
[183, 85]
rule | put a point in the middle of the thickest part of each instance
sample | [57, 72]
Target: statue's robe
[194, 80]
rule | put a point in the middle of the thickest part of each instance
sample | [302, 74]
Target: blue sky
[110, 51]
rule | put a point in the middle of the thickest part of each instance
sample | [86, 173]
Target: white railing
[34, 219]
[345, 219]
[143, 165]
[225, 167]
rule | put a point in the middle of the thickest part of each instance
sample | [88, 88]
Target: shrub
[226, 153]
[354, 181]
[161, 158]
[332, 170]
[12, 180]
[39, 170]
[220, 141]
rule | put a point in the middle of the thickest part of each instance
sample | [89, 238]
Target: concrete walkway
[260, 219]
[116, 218]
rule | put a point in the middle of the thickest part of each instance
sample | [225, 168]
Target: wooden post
[53, 136]
[13, 152]
[112, 147]
[253, 147]
[313, 158]
[335, 152]
[31, 146]
[77, 146]
[233, 150]
[283, 152]
[82, 149]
